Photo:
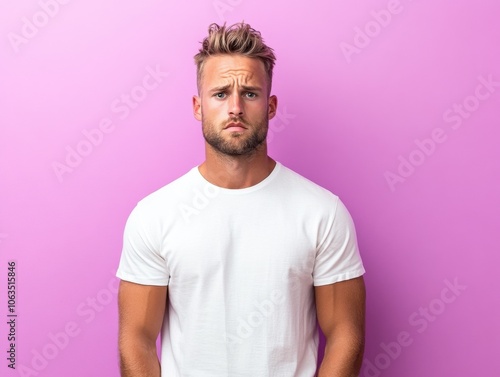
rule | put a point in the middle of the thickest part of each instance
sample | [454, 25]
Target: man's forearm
[342, 358]
[136, 360]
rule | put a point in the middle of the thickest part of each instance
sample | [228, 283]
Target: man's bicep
[141, 309]
[341, 305]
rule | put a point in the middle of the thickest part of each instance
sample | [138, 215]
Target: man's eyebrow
[244, 87]
[252, 88]
[219, 88]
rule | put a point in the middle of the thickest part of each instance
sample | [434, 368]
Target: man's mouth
[235, 126]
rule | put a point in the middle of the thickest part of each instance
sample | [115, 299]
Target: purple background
[358, 82]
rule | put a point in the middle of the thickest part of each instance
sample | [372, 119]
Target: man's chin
[236, 143]
[236, 151]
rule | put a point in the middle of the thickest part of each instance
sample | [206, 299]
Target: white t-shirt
[240, 265]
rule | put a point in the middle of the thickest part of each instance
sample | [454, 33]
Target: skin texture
[141, 310]
[341, 315]
[235, 89]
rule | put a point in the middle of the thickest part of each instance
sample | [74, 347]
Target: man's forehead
[233, 67]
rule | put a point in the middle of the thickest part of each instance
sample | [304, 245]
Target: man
[236, 260]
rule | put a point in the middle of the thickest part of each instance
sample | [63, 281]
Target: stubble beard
[244, 143]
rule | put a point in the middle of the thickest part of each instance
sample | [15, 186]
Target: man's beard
[236, 143]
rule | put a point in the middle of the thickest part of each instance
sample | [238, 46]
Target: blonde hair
[239, 38]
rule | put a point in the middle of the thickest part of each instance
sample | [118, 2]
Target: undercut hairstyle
[239, 39]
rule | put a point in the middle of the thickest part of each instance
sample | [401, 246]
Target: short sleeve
[141, 260]
[337, 256]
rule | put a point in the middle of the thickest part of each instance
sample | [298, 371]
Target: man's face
[234, 104]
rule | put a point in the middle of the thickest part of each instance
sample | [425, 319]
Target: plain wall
[392, 105]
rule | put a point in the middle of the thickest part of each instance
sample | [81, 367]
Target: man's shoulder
[302, 185]
[170, 192]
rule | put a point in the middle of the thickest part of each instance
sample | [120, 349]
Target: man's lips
[235, 126]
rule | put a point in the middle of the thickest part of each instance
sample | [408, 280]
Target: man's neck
[236, 172]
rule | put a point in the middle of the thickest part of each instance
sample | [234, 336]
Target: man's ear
[273, 107]
[197, 107]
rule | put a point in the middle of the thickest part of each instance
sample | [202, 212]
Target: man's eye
[251, 95]
[220, 95]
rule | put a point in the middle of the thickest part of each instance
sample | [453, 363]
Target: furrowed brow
[219, 89]
[244, 87]
[252, 88]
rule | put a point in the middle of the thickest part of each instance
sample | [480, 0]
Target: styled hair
[240, 39]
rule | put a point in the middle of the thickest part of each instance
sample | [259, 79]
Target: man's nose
[235, 105]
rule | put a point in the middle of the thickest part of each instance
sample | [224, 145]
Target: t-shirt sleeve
[141, 260]
[337, 256]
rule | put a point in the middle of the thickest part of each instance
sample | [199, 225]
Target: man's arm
[341, 315]
[141, 311]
